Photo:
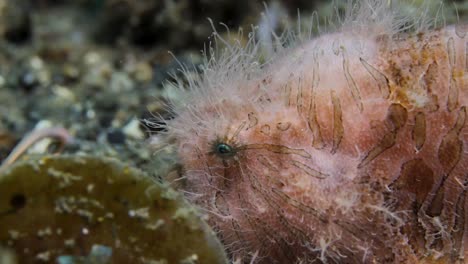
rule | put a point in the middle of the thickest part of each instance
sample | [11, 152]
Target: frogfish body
[348, 148]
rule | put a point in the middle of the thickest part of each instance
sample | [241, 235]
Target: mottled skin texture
[356, 153]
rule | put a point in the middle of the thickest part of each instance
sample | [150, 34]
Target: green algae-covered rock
[91, 210]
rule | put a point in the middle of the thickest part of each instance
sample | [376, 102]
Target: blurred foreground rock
[90, 210]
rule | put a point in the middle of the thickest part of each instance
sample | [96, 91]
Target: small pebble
[116, 137]
[28, 81]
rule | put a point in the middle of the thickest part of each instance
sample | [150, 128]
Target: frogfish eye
[224, 149]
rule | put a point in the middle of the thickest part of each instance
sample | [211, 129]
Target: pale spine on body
[345, 148]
